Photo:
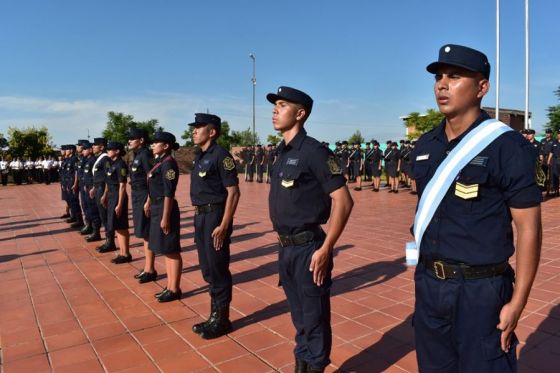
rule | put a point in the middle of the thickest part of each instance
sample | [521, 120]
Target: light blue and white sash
[468, 148]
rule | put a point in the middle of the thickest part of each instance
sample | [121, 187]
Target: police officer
[16, 166]
[29, 170]
[376, 157]
[306, 181]
[116, 200]
[138, 142]
[62, 178]
[553, 163]
[368, 152]
[78, 185]
[250, 164]
[356, 165]
[466, 306]
[4, 171]
[385, 152]
[91, 229]
[545, 149]
[406, 163]
[392, 167]
[71, 182]
[214, 195]
[344, 158]
[270, 158]
[163, 210]
[100, 166]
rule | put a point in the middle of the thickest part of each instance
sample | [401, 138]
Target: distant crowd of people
[40, 170]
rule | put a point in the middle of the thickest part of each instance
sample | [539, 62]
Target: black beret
[115, 145]
[292, 95]
[81, 142]
[548, 131]
[100, 141]
[345, 142]
[201, 119]
[71, 147]
[465, 57]
[86, 145]
[63, 147]
[137, 133]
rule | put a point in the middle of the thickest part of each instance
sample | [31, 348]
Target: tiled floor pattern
[66, 308]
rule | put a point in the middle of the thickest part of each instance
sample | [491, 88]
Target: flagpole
[498, 59]
[527, 124]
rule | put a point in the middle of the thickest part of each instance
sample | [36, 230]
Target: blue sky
[65, 64]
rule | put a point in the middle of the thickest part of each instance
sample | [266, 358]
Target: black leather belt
[296, 239]
[204, 209]
[444, 270]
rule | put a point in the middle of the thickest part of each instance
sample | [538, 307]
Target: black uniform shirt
[355, 155]
[139, 168]
[555, 151]
[88, 174]
[99, 169]
[546, 146]
[214, 171]
[117, 172]
[71, 168]
[393, 155]
[80, 163]
[377, 155]
[270, 156]
[259, 156]
[476, 229]
[163, 178]
[303, 177]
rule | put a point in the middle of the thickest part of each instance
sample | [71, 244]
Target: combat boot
[78, 224]
[301, 366]
[219, 325]
[94, 236]
[199, 328]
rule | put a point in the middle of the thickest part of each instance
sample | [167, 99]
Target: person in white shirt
[4, 170]
[17, 168]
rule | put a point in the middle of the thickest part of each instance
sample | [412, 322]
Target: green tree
[244, 138]
[3, 141]
[423, 123]
[356, 137]
[554, 115]
[29, 142]
[118, 125]
[274, 139]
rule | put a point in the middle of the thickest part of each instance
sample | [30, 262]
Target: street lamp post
[254, 80]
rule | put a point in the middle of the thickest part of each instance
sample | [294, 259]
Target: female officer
[117, 200]
[393, 165]
[163, 210]
[139, 168]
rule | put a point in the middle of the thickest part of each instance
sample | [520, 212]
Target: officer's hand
[509, 315]
[118, 210]
[219, 235]
[164, 225]
[147, 209]
[74, 188]
[104, 201]
[92, 193]
[318, 265]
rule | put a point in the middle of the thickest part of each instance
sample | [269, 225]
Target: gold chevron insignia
[466, 191]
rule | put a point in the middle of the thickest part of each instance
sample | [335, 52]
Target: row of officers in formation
[43, 169]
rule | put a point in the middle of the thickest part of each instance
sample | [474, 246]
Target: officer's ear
[483, 86]
[301, 114]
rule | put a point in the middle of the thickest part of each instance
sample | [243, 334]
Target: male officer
[545, 149]
[356, 165]
[466, 306]
[344, 157]
[377, 156]
[214, 195]
[368, 152]
[553, 162]
[72, 165]
[270, 158]
[306, 181]
[99, 169]
[259, 162]
[16, 166]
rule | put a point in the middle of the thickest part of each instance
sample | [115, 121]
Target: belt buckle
[196, 210]
[439, 270]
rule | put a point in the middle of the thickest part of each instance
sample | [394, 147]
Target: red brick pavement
[66, 308]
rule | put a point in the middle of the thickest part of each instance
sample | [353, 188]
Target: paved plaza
[66, 308]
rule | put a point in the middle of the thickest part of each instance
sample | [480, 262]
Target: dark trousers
[455, 323]
[83, 199]
[555, 174]
[4, 178]
[101, 210]
[310, 305]
[260, 172]
[214, 264]
[92, 213]
[17, 175]
[74, 202]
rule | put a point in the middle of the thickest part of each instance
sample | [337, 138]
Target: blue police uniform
[115, 174]
[92, 214]
[162, 182]
[457, 317]
[304, 175]
[555, 166]
[259, 162]
[139, 169]
[214, 171]
[392, 161]
[368, 153]
[376, 161]
[73, 197]
[355, 163]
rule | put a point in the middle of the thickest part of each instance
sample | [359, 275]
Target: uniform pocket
[491, 347]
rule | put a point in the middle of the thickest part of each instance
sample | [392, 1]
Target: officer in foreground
[306, 181]
[466, 307]
[214, 195]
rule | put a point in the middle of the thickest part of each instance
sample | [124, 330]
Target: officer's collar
[440, 135]
[296, 142]
[210, 148]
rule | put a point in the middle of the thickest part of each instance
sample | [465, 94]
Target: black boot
[218, 326]
[310, 369]
[109, 244]
[199, 328]
[87, 229]
[94, 236]
[79, 224]
[301, 366]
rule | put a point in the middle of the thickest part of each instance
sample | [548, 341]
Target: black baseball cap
[292, 95]
[202, 119]
[461, 56]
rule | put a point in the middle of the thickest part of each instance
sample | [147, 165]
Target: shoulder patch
[123, 171]
[170, 174]
[228, 163]
[334, 167]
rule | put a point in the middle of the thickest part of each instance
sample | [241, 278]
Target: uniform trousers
[74, 202]
[92, 213]
[4, 175]
[83, 200]
[310, 306]
[99, 189]
[455, 323]
[214, 264]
